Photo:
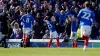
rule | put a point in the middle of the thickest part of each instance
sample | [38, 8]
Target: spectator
[35, 11]
[4, 23]
[38, 4]
[94, 32]
[1, 6]
[16, 34]
[57, 5]
[17, 14]
[37, 30]
[57, 13]
[12, 11]
[45, 8]
[64, 5]
[62, 18]
[39, 19]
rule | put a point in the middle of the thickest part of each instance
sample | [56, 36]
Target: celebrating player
[73, 31]
[27, 21]
[52, 30]
[72, 19]
[86, 17]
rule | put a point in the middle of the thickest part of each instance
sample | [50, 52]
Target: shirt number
[49, 25]
[27, 20]
[86, 15]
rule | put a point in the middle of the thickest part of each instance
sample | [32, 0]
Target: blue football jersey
[67, 13]
[74, 25]
[86, 17]
[62, 19]
[27, 20]
[51, 25]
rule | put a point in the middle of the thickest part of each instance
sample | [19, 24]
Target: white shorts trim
[26, 30]
[85, 30]
[73, 36]
[53, 34]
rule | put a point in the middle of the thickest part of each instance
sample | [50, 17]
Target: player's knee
[73, 40]
[85, 36]
[51, 38]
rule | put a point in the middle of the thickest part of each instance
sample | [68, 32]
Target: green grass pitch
[49, 52]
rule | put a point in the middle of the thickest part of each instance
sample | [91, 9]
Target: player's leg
[24, 37]
[86, 39]
[73, 39]
[4, 37]
[50, 42]
[28, 32]
[58, 43]
[4, 31]
[27, 39]
[55, 35]
[74, 43]
[85, 33]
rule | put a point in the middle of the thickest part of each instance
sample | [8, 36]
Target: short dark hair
[28, 10]
[49, 14]
[87, 4]
[4, 8]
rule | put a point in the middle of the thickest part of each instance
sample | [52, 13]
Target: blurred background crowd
[57, 9]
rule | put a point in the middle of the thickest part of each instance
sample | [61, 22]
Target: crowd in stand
[57, 9]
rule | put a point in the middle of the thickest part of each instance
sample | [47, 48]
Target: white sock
[84, 48]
